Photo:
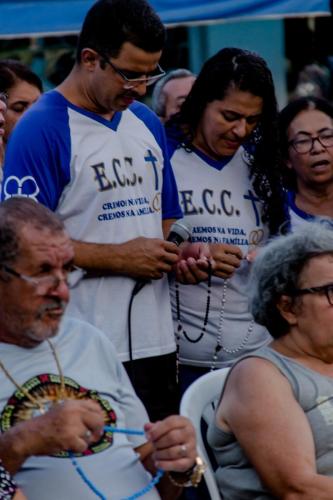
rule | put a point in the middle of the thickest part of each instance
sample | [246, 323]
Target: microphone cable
[180, 231]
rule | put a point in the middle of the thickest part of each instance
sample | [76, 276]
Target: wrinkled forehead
[317, 270]
[38, 244]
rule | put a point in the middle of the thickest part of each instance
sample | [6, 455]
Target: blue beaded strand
[109, 428]
[149, 486]
[86, 479]
[95, 490]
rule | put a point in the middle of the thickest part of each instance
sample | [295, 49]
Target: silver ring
[87, 434]
[183, 450]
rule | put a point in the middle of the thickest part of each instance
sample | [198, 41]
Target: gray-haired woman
[273, 432]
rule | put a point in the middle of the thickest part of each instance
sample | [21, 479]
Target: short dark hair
[111, 23]
[286, 116]
[12, 70]
[234, 68]
[14, 214]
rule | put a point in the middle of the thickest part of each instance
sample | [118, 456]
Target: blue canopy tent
[21, 18]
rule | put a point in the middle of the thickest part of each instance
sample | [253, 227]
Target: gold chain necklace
[31, 398]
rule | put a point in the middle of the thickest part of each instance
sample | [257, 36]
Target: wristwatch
[191, 477]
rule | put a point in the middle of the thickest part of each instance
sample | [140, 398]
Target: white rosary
[219, 341]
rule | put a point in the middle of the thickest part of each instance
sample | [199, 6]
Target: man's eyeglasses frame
[44, 283]
[130, 83]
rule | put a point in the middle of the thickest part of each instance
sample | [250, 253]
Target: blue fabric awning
[20, 18]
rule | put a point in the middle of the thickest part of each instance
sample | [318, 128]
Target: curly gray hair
[277, 269]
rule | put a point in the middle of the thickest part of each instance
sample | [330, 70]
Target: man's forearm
[105, 258]
[110, 258]
[140, 258]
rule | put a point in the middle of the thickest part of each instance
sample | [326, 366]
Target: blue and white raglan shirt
[110, 181]
[218, 199]
[298, 217]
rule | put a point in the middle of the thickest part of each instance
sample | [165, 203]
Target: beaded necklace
[219, 339]
[43, 408]
[219, 346]
[180, 328]
[96, 491]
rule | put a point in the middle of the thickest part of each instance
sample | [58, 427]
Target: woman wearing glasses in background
[306, 127]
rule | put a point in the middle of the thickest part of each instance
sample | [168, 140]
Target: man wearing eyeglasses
[61, 382]
[97, 157]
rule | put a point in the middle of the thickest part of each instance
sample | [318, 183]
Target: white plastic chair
[199, 402]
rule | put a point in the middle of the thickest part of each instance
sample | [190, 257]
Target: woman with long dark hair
[225, 155]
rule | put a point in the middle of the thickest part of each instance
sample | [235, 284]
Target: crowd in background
[254, 187]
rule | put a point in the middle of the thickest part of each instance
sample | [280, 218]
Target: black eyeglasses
[132, 78]
[326, 289]
[304, 145]
[42, 284]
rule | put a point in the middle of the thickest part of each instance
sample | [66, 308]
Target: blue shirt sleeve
[38, 153]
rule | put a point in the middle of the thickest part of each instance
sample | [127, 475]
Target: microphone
[180, 231]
